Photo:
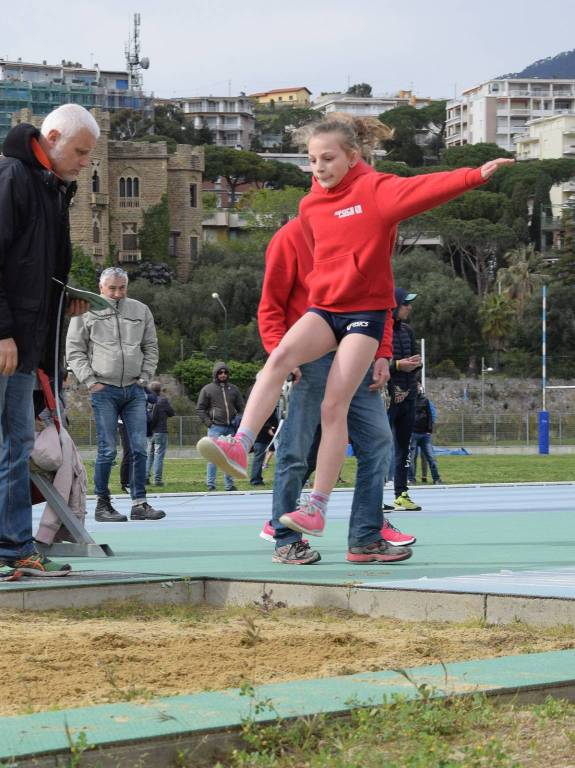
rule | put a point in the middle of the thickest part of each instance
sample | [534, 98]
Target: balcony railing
[99, 198]
[129, 256]
[129, 202]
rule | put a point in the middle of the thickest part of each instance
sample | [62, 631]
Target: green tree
[496, 315]
[236, 167]
[284, 175]
[196, 372]
[472, 155]
[83, 271]
[129, 124]
[154, 234]
[564, 267]
[522, 276]
[360, 89]
[541, 202]
[271, 208]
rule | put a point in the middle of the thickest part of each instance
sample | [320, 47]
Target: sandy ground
[129, 653]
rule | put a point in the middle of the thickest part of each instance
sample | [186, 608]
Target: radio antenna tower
[134, 63]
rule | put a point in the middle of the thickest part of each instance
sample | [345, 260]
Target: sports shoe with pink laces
[395, 537]
[227, 453]
[306, 519]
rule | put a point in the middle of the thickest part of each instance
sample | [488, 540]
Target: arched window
[136, 188]
[95, 182]
[128, 187]
[122, 187]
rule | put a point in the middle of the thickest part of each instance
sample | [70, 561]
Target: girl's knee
[333, 410]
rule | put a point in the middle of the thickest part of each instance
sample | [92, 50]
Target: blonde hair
[361, 134]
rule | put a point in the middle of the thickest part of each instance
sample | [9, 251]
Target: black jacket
[34, 247]
[404, 345]
[219, 404]
[162, 412]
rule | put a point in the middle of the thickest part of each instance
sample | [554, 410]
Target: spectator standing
[114, 353]
[219, 403]
[421, 436]
[158, 441]
[38, 171]
[402, 388]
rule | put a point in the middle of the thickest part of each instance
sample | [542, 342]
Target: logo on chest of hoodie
[353, 210]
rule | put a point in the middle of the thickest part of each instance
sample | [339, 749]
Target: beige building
[548, 138]
[229, 118]
[367, 106]
[283, 97]
[126, 179]
[498, 111]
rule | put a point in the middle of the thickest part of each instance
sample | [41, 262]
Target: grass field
[181, 475]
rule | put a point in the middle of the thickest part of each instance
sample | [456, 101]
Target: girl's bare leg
[354, 356]
[308, 339]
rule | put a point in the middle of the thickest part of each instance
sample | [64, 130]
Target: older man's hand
[8, 357]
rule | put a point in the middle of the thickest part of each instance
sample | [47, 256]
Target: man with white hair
[114, 353]
[38, 170]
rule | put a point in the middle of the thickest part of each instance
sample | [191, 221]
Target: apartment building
[229, 118]
[548, 138]
[283, 97]
[124, 180]
[41, 88]
[367, 106]
[498, 111]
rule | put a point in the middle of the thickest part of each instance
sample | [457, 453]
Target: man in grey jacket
[114, 353]
[219, 403]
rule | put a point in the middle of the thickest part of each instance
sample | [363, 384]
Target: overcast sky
[202, 47]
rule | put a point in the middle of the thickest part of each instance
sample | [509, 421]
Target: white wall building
[498, 110]
[367, 106]
[547, 138]
[229, 118]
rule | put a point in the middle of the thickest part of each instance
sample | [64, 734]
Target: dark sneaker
[298, 553]
[211, 488]
[105, 512]
[146, 512]
[439, 481]
[378, 552]
[233, 488]
[388, 508]
[158, 483]
[38, 565]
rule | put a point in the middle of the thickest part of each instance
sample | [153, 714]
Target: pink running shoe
[227, 453]
[395, 537]
[307, 519]
[268, 532]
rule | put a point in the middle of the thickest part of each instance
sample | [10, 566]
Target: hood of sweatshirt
[219, 366]
[18, 144]
[361, 168]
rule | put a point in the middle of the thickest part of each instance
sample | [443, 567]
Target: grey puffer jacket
[117, 346]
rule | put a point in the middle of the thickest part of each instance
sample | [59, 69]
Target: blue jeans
[422, 440]
[108, 404]
[260, 450]
[16, 443]
[370, 437]
[157, 446]
[217, 430]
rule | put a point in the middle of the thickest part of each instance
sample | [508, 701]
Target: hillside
[560, 66]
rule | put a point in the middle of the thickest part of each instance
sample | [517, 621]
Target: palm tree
[496, 315]
[522, 276]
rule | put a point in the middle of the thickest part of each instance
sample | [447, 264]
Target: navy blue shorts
[367, 323]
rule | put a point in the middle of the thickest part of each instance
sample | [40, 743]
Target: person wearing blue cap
[402, 387]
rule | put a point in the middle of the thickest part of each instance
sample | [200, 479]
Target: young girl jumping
[350, 219]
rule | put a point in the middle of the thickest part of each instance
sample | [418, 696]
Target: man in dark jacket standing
[218, 405]
[421, 437]
[402, 388]
[37, 181]
[160, 412]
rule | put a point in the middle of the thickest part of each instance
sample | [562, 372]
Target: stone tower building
[125, 179]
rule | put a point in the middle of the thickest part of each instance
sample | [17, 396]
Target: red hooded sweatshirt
[351, 231]
[285, 291]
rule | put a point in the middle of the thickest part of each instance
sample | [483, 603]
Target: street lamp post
[216, 296]
[484, 370]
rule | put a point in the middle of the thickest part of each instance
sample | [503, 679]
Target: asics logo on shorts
[343, 213]
[357, 324]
